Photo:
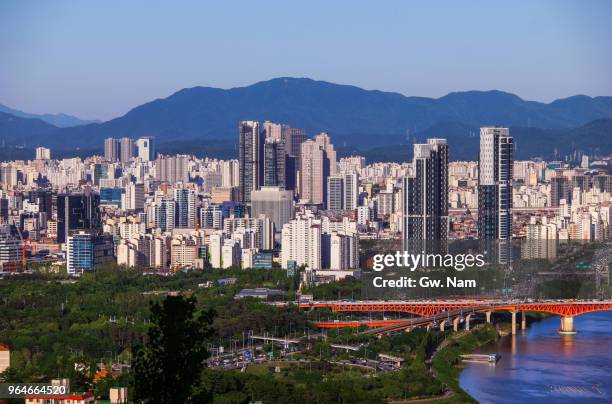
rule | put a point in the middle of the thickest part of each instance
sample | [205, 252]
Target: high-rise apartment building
[165, 215]
[134, 197]
[251, 156]
[251, 232]
[111, 149]
[335, 192]
[9, 175]
[540, 241]
[273, 131]
[495, 184]
[215, 244]
[340, 251]
[185, 212]
[43, 153]
[324, 141]
[301, 242]
[426, 198]
[317, 158]
[211, 216]
[495, 191]
[172, 169]
[351, 190]
[126, 149]
[230, 173]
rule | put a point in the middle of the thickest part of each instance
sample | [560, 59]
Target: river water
[539, 365]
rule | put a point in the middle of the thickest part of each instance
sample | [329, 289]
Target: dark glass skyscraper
[559, 189]
[426, 198]
[250, 158]
[44, 200]
[77, 212]
[294, 137]
[274, 164]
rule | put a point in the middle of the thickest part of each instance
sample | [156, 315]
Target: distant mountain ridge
[353, 116]
[594, 138]
[19, 131]
[58, 120]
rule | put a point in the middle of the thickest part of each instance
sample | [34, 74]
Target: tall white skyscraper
[301, 242]
[230, 174]
[215, 244]
[145, 148]
[43, 153]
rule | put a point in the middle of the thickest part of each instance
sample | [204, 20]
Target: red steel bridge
[447, 309]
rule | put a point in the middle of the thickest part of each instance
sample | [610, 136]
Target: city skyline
[314, 202]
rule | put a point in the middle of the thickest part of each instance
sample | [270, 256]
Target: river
[540, 365]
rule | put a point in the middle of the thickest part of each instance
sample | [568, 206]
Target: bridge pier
[467, 322]
[523, 320]
[488, 314]
[456, 324]
[567, 325]
[442, 325]
[513, 332]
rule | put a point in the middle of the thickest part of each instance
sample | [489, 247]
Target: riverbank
[446, 362]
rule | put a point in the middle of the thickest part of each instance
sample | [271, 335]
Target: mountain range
[58, 120]
[357, 119]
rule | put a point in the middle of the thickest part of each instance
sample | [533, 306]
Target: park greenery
[162, 325]
[52, 322]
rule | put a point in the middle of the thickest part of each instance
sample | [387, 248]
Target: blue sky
[98, 59]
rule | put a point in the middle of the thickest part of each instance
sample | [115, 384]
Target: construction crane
[24, 257]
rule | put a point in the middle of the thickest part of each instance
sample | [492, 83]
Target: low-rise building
[5, 357]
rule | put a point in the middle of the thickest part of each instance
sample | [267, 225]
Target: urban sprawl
[287, 202]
